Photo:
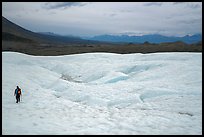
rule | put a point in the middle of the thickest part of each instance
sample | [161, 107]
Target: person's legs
[17, 98]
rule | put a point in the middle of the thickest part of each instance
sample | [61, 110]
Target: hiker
[18, 94]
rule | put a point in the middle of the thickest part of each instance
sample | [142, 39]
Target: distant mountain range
[153, 38]
[13, 32]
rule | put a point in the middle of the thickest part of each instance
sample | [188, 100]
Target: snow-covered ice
[103, 93]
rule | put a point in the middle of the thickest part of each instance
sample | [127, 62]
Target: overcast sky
[96, 18]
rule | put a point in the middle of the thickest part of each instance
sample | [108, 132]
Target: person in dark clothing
[17, 93]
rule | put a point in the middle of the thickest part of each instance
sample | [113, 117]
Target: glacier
[103, 93]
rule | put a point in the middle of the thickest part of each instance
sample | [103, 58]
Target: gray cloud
[153, 4]
[64, 5]
[113, 14]
[178, 3]
[193, 5]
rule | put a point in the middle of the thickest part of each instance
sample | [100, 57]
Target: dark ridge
[10, 37]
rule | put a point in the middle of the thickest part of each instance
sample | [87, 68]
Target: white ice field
[103, 93]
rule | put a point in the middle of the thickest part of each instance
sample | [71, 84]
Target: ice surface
[103, 93]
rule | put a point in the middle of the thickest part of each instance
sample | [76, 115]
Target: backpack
[19, 92]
